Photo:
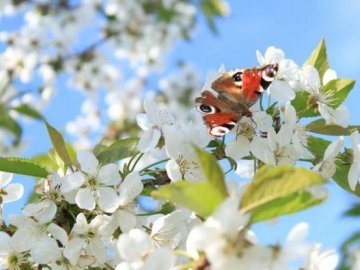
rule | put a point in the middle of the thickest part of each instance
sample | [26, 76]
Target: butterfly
[235, 92]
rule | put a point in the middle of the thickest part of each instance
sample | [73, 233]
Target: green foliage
[213, 9]
[59, 144]
[201, 197]
[8, 123]
[347, 249]
[211, 169]
[341, 89]
[26, 110]
[319, 126]
[280, 190]
[166, 208]
[353, 211]
[318, 58]
[302, 107]
[119, 150]
[317, 147]
[23, 166]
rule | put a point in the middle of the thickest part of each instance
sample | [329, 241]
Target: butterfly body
[235, 93]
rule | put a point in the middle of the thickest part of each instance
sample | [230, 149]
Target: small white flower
[322, 261]
[12, 251]
[354, 172]
[169, 230]
[327, 167]
[183, 163]
[294, 248]
[94, 184]
[9, 192]
[324, 100]
[280, 88]
[276, 149]
[124, 217]
[85, 239]
[152, 122]
[40, 238]
[299, 137]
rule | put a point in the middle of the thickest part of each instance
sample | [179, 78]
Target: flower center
[15, 261]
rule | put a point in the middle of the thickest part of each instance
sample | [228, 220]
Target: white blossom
[94, 184]
[280, 89]
[324, 100]
[354, 172]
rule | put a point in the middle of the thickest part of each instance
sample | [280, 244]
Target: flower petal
[134, 245]
[14, 192]
[73, 249]
[329, 75]
[72, 182]
[353, 176]
[161, 259]
[312, 79]
[108, 200]
[88, 162]
[85, 199]
[4, 241]
[126, 220]
[142, 121]
[43, 211]
[281, 91]
[45, 251]
[109, 174]
[58, 233]
[239, 148]
[148, 140]
[173, 171]
[5, 178]
[130, 188]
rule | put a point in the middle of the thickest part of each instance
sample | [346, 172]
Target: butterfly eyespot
[205, 108]
[237, 77]
[219, 131]
[269, 72]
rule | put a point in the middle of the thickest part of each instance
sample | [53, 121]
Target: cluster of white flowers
[88, 215]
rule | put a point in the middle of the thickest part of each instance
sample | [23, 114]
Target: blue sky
[294, 26]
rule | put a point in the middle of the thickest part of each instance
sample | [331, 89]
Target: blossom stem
[153, 164]
[136, 162]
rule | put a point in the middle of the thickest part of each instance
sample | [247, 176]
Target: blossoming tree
[87, 210]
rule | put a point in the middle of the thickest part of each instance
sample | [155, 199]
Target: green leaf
[341, 89]
[282, 188]
[295, 202]
[59, 144]
[118, 150]
[319, 126]
[353, 211]
[343, 163]
[211, 169]
[166, 208]
[317, 146]
[23, 166]
[47, 161]
[301, 106]
[201, 197]
[213, 9]
[318, 58]
[25, 109]
[7, 122]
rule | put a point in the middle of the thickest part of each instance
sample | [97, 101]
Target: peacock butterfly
[235, 92]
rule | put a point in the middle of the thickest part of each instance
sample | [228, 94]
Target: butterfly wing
[219, 117]
[237, 91]
[245, 86]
